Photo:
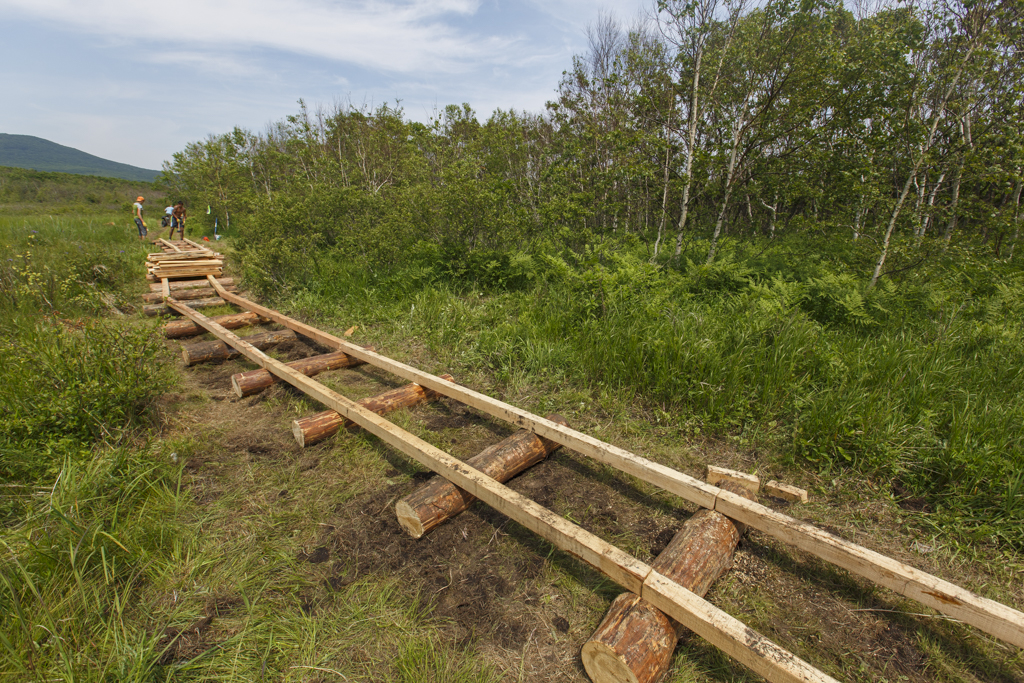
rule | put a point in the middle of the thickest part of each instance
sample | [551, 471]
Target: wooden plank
[664, 477]
[785, 491]
[990, 616]
[166, 287]
[727, 633]
[771, 661]
[713, 475]
[173, 247]
[161, 309]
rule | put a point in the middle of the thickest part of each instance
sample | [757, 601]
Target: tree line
[895, 126]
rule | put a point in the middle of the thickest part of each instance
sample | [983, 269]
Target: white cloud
[403, 37]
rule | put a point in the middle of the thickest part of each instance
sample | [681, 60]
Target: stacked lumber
[192, 263]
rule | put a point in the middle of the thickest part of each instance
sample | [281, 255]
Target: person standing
[178, 219]
[139, 222]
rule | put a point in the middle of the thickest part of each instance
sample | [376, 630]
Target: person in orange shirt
[139, 222]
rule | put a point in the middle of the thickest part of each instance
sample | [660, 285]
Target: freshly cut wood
[793, 494]
[990, 616]
[161, 309]
[635, 640]
[218, 350]
[255, 381]
[725, 632]
[177, 329]
[164, 244]
[183, 295]
[714, 475]
[439, 499]
[316, 428]
[165, 290]
[203, 283]
[164, 258]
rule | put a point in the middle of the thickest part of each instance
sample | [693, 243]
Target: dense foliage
[25, 191]
[786, 222]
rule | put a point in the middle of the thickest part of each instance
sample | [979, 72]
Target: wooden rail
[732, 636]
[990, 616]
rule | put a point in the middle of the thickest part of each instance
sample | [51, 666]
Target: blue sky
[134, 82]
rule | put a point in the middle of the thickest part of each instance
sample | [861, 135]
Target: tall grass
[920, 381]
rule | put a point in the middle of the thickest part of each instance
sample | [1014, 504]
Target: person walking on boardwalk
[178, 220]
[139, 222]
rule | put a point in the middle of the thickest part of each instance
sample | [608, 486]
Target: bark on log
[186, 328]
[635, 641]
[192, 284]
[218, 350]
[439, 499]
[184, 295]
[159, 309]
[255, 381]
[316, 428]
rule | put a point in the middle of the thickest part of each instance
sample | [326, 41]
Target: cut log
[161, 309]
[316, 428]
[184, 295]
[439, 499]
[218, 350]
[255, 381]
[177, 329]
[635, 640]
[225, 282]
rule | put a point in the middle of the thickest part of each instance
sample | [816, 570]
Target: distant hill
[27, 151]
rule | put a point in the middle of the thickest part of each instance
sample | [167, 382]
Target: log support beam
[316, 428]
[204, 352]
[439, 500]
[254, 381]
[177, 329]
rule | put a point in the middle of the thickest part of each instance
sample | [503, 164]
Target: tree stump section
[635, 641]
[316, 428]
[255, 381]
[217, 350]
[186, 328]
[439, 499]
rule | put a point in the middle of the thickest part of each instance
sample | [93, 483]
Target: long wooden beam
[172, 246]
[748, 647]
[990, 616]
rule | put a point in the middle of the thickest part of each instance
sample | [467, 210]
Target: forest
[789, 224]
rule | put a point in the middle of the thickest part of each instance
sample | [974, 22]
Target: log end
[185, 354]
[300, 438]
[604, 665]
[241, 394]
[409, 520]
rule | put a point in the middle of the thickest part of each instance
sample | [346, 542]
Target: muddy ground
[528, 608]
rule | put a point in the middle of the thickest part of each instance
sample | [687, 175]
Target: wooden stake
[255, 381]
[748, 647]
[439, 499]
[316, 428]
[714, 475]
[786, 492]
[203, 352]
[635, 640]
[177, 329]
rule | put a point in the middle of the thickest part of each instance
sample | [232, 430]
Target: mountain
[27, 151]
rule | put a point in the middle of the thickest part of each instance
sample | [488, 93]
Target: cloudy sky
[135, 81]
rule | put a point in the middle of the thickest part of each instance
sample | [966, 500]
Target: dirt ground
[527, 607]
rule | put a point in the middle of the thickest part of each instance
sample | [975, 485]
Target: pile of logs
[192, 263]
